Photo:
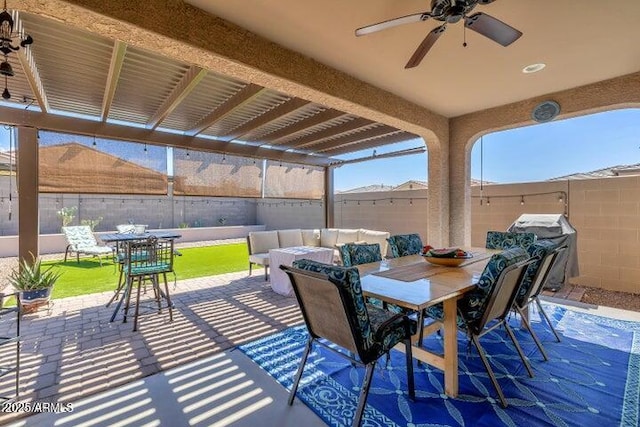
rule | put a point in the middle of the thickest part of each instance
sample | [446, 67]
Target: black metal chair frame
[498, 308]
[540, 278]
[139, 269]
[369, 365]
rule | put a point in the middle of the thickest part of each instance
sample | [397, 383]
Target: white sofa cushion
[290, 238]
[328, 237]
[346, 235]
[311, 237]
[372, 236]
[262, 259]
[262, 241]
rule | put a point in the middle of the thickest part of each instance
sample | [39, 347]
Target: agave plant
[31, 276]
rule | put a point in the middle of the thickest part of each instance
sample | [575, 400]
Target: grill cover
[558, 229]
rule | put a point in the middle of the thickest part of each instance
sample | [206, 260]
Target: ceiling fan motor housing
[453, 11]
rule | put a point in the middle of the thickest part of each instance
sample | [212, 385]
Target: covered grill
[556, 228]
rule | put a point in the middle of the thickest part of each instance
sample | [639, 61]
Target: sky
[532, 153]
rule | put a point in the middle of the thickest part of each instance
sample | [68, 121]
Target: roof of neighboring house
[412, 184]
[368, 188]
[620, 170]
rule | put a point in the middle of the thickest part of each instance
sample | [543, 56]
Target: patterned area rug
[591, 379]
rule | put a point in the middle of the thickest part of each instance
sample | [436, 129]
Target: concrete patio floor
[72, 351]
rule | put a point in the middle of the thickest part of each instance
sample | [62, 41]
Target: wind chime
[6, 46]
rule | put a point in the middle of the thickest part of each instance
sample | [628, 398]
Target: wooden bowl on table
[448, 261]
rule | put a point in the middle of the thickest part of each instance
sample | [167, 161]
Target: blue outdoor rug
[591, 379]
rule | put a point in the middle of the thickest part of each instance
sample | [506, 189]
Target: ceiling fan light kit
[450, 12]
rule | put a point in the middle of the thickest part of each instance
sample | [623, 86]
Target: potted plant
[33, 283]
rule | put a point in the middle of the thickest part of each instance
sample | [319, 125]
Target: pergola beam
[372, 143]
[189, 81]
[25, 56]
[115, 66]
[73, 125]
[302, 125]
[243, 97]
[316, 137]
[354, 138]
[276, 113]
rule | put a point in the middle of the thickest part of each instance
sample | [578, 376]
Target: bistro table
[123, 239]
[285, 256]
[412, 282]
[127, 237]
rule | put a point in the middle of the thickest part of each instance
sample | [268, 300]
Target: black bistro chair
[148, 260]
[334, 310]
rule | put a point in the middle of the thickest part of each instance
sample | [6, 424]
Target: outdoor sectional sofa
[260, 242]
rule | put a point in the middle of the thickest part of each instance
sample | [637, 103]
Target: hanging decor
[7, 35]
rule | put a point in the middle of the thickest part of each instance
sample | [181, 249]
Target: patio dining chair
[486, 307]
[80, 239]
[508, 239]
[334, 310]
[405, 244]
[359, 253]
[544, 253]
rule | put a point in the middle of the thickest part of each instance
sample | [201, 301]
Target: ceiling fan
[450, 12]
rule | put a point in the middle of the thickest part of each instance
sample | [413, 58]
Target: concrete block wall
[155, 211]
[398, 212]
[606, 213]
[280, 214]
[502, 205]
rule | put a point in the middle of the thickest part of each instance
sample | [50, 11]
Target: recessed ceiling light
[533, 68]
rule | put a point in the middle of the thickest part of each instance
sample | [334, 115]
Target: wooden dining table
[413, 283]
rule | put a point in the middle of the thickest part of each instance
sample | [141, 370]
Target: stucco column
[28, 224]
[459, 188]
[438, 190]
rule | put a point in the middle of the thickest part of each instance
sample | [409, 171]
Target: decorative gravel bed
[623, 300]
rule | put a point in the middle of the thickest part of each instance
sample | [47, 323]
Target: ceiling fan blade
[492, 28]
[424, 47]
[416, 17]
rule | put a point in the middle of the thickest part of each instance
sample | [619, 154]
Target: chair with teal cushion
[508, 239]
[357, 253]
[147, 260]
[334, 309]
[405, 244]
[544, 253]
[486, 307]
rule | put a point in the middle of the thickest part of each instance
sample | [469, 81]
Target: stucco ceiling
[581, 42]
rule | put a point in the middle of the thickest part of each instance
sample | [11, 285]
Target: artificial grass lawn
[87, 277]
